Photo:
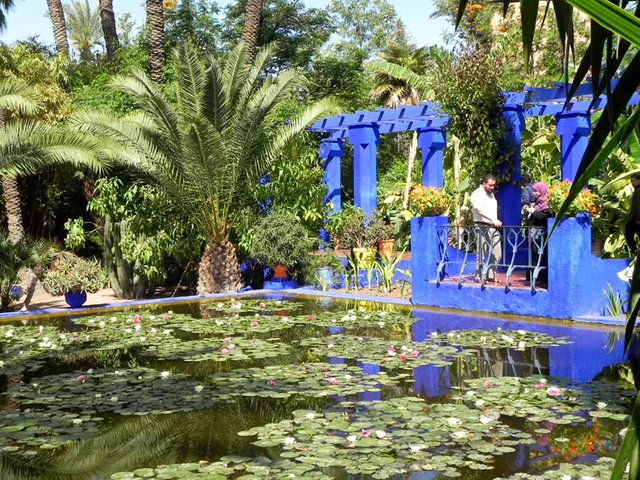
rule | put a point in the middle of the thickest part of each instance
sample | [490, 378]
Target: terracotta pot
[279, 271]
[386, 247]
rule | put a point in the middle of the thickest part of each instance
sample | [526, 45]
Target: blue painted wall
[576, 284]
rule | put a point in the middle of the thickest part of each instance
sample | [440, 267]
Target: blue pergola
[363, 129]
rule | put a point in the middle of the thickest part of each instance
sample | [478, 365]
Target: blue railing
[481, 251]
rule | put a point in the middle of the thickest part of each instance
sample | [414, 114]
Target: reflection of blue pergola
[363, 129]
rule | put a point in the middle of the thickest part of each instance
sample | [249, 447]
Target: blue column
[425, 253]
[364, 139]
[509, 193]
[331, 151]
[573, 128]
[431, 141]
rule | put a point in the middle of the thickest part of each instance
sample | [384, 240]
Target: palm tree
[251, 29]
[206, 150]
[83, 24]
[56, 14]
[5, 6]
[108, 23]
[155, 35]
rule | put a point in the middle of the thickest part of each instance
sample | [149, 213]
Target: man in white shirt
[485, 218]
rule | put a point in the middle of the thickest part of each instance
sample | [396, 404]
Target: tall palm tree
[108, 23]
[5, 6]
[251, 29]
[155, 36]
[83, 24]
[56, 14]
[207, 149]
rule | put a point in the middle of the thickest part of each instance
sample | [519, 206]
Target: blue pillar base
[280, 284]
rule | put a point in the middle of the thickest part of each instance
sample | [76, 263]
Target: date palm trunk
[56, 14]
[155, 35]
[108, 22]
[251, 29]
[218, 270]
[11, 197]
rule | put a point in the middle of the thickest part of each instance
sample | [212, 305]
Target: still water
[88, 397]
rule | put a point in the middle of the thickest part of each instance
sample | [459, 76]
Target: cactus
[124, 281]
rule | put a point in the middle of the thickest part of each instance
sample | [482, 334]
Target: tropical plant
[83, 25]
[56, 14]
[15, 256]
[5, 6]
[428, 201]
[280, 239]
[205, 151]
[386, 266]
[108, 24]
[70, 273]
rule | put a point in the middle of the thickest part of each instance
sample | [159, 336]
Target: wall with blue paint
[576, 284]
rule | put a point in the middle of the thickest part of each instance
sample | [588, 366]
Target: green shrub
[70, 273]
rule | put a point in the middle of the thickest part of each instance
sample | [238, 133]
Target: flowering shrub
[427, 201]
[584, 202]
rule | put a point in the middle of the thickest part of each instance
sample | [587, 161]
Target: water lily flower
[553, 391]
[327, 374]
[347, 377]
[271, 383]
[507, 338]
[381, 324]
[415, 448]
[165, 374]
[391, 351]
[262, 305]
[226, 340]
[333, 381]
[499, 329]
[414, 353]
[352, 438]
[434, 334]
[288, 440]
[80, 378]
[128, 330]
[451, 334]
[310, 317]
[136, 318]
[485, 420]
[170, 312]
[454, 421]
[77, 421]
[231, 346]
[225, 350]
[601, 405]
[381, 433]
[137, 327]
[154, 330]
[487, 384]
[587, 477]
[364, 434]
[102, 324]
[402, 356]
[40, 328]
[521, 345]
[164, 317]
[470, 393]
[543, 381]
[310, 415]
[98, 395]
[460, 434]
[330, 345]
[199, 388]
[483, 339]
[114, 399]
[254, 324]
[142, 339]
[522, 332]
[367, 316]
[479, 402]
[152, 317]
[565, 477]
[539, 386]
[167, 332]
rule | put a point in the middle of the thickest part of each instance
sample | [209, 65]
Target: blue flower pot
[75, 299]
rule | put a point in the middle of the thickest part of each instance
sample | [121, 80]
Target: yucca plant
[206, 149]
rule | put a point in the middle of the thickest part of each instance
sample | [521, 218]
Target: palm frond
[18, 96]
[403, 73]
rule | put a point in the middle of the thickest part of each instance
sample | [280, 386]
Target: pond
[290, 388]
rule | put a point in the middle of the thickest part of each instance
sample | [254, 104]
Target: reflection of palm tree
[83, 24]
[206, 151]
[56, 14]
[108, 23]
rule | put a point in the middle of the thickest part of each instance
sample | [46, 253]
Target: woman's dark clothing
[537, 237]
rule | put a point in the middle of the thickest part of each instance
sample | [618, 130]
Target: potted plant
[347, 229]
[585, 202]
[321, 269]
[381, 230]
[428, 201]
[74, 277]
[280, 241]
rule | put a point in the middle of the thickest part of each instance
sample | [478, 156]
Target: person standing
[485, 218]
[632, 226]
[538, 214]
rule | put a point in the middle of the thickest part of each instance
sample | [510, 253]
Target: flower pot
[279, 271]
[325, 276]
[386, 247]
[75, 299]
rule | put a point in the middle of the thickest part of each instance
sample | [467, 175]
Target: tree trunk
[108, 21]
[11, 195]
[252, 16]
[155, 36]
[218, 270]
[56, 13]
[413, 149]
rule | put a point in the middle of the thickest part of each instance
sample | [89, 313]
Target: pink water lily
[327, 374]
[262, 305]
[254, 324]
[231, 346]
[226, 340]
[414, 353]
[81, 378]
[271, 383]
[333, 381]
[136, 318]
[310, 317]
[553, 391]
[402, 356]
[487, 384]
[364, 434]
[539, 386]
[225, 350]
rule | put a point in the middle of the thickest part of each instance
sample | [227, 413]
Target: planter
[75, 299]
[325, 276]
[280, 271]
[386, 247]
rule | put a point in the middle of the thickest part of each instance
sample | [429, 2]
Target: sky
[28, 18]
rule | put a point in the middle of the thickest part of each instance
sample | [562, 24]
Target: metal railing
[481, 251]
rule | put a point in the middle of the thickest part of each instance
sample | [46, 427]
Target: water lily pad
[218, 349]
[499, 338]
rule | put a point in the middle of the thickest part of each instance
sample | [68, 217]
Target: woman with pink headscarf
[538, 215]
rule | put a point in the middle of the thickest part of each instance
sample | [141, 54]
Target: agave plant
[206, 148]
